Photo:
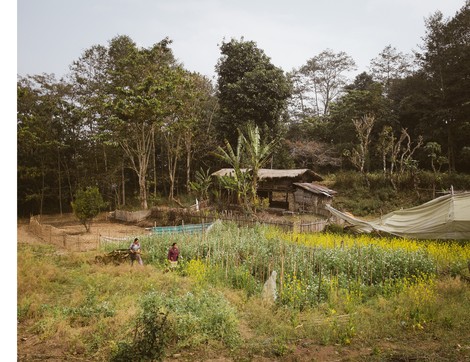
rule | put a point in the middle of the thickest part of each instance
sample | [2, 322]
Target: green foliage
[151, 335]
[202, 184]
[241, 278]
[239, 182]
[260, 204]
[258, 154]
[380, 197]
[251, 89]
[252, 153]
[188, 320]
[244, 258]
[87, 205]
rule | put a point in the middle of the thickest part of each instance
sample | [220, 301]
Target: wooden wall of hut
[305, 201]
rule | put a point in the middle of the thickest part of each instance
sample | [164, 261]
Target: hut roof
[267, 173]
[315, 188]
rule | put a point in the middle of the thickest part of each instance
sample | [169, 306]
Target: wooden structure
[282, 186]
[312, 198]
[116, 257]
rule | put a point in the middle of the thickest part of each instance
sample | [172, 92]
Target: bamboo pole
[281, 279]
[319, 285]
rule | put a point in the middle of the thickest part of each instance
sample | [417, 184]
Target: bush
[182, 321]
[151, 335]
[87, 205]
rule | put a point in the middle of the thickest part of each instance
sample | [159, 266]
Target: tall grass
[97, 309]
[312, 268]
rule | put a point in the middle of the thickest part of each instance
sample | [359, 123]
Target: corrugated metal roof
[266, 173]
[315, 188]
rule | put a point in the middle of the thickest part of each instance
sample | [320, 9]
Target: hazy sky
[51, 34]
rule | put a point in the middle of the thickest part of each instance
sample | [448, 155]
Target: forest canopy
[137, 125]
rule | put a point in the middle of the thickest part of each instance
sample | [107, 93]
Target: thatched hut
[279, 186]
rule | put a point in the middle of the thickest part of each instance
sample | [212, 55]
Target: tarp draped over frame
[446, 217]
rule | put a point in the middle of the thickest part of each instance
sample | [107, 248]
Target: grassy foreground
[338, 298]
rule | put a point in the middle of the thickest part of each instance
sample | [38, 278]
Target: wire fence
[173, 217]
[60, 238]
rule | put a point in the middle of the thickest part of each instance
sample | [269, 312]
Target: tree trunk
[42, 188]
[143, 191]
[123, 180]
[154, 152]
[59, 181]
[173, 153]
[450, 149]
[138, 147]
[188, 162]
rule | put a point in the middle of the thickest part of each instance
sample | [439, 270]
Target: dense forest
[139, 126]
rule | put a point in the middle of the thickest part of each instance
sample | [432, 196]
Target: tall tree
[250, 89]
[390, 65]
[360, 153]
[90, 80]
[44, 138]
[326, 78]
[198, 108]
[140, 97]
[363, 97]
[303, 104]
[445, 59]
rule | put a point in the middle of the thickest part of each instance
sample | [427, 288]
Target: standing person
[135, 251]
[173, 255]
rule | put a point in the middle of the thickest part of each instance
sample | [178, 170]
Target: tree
[45, 137]
[313, 154]
[240, 181]
[302, 104]
[445, 61]
[87, 205]
[433, 151]
[326, 78]
[187, 126]
[390, 65]
[90, 82]
[360, 153]
[252, 153]
[202, 184]
[258, 153]
[363, 96]
[250, 89]
[200, 106]
[141, 95]
[385, 146]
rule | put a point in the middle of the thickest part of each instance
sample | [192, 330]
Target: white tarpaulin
[446, 217]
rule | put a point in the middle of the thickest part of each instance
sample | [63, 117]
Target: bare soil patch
[102, 226]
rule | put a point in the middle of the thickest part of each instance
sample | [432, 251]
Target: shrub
[87, 205]
[187, 320]
[151, 335]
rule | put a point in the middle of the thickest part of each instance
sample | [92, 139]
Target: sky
[51, 34]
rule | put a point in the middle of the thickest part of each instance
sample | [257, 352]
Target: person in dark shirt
[173, 255]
